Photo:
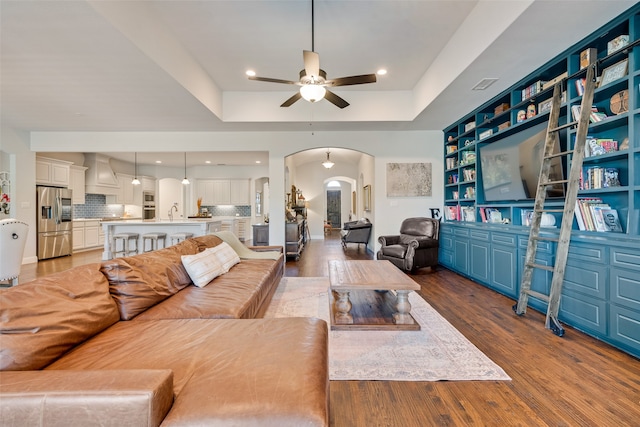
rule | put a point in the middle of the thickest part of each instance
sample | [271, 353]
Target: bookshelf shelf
[500, 121]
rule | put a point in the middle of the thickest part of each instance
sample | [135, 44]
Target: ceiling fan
[313, 80]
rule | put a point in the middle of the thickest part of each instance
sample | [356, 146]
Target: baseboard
[29, 260]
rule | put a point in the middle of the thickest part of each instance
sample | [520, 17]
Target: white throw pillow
[226, 255]
[203, 267]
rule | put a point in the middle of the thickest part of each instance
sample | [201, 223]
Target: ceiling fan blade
[335, 99]
[270, 80]
[291, 100]
[352, 80]
[311, 63]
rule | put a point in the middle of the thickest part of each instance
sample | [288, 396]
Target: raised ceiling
[174, 65]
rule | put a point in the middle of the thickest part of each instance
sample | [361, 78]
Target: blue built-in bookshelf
[485, 230]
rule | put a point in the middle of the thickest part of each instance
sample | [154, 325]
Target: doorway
[334, 207]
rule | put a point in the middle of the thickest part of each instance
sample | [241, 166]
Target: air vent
[484, 83]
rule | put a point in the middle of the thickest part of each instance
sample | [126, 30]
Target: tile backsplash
[229, 210]
[95, 206]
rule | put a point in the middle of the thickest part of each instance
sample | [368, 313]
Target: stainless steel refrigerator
[55, 213]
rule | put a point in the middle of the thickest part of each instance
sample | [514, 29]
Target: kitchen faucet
[175, 206]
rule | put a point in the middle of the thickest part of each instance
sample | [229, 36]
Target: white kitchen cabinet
[76, 184]
[78, 235]
[125, 189]
[87, 235]
[241, 227]
[148, 184]
[223, 191]
[239, 189]
[204, 190]
[91, 234]
[52, 172]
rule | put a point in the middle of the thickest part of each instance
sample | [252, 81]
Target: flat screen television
[510, 167]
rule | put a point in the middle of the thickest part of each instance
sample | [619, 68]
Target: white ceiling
[178, 65]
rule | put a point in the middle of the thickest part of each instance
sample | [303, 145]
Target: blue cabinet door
[504, 270]
[479, 261]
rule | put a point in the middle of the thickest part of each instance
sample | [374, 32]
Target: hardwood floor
[575, 380]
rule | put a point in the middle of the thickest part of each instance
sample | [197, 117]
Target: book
[611, 220]
[599, 146]
[587, 56]
[580, 86]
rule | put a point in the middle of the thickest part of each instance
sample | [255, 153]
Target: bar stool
[179, 237]
[153, 238]
[126, 238]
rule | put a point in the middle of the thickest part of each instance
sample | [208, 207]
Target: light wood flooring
[575, 380]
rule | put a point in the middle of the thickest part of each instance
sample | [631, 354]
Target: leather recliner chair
[415, 247]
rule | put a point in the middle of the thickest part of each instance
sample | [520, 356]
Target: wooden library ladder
[572, 183]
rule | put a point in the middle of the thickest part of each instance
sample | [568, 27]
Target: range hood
[99, 177]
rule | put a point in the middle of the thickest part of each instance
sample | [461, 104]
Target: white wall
[385, 147]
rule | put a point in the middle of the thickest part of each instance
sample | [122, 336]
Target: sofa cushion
[396, 251]
[41, 320]
[85, 398]
[242, 293]
[141, 281]
[206, 241]
[260, 372]
[203, 267]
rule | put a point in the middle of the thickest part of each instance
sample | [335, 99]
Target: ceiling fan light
[312, 92]
[328, 163]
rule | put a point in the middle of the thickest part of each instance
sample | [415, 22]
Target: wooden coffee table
[359, 296]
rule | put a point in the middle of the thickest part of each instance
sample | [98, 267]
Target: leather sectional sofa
[132, 341]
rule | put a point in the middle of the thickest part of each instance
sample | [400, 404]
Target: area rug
[436, 352]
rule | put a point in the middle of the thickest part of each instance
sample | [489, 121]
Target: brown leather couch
[133, 342]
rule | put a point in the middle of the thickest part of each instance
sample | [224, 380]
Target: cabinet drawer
[589, 253]
[479, 235]
[543, 247]
[625, 288]
[589, 279]
[625, 257]
[461, 232]
[446, 242]
[504, 239]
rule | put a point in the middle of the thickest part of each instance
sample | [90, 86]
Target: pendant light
[185, 181]
[135, 180]
[328, 163]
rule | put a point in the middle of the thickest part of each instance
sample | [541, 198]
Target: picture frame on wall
[614, 72]
[366, 198]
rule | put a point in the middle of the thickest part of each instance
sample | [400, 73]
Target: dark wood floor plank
[575, 380]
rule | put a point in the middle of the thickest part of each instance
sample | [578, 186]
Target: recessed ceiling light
[158, 161]
[484, 83]
[250, 73]
[208, 162]
[258, 161]
[381, 72]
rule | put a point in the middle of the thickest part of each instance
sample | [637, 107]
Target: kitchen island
[198, 227]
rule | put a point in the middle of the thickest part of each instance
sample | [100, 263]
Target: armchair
[356, 232]
[415, 247]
